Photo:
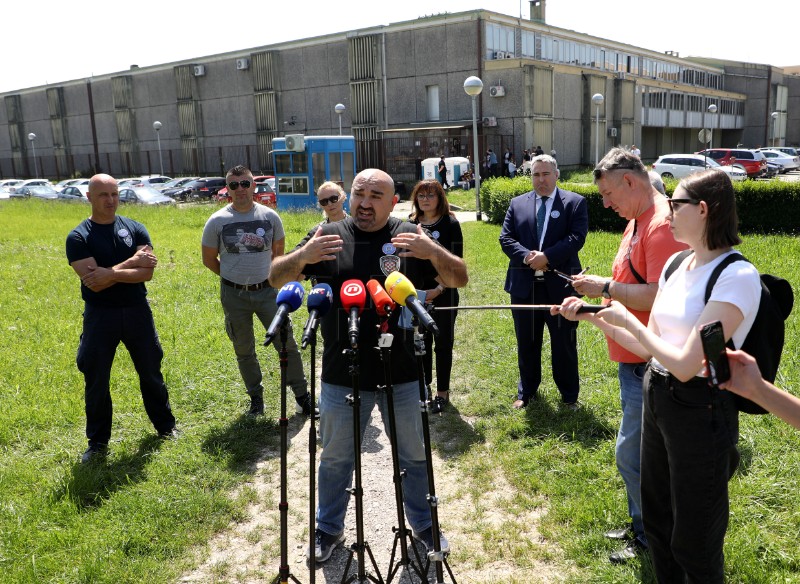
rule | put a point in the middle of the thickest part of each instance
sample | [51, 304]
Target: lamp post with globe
[473, 87]
[32, 138]
[339, 109]
[597, 100]
[157, 128]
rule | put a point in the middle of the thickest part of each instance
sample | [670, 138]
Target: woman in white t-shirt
[689, 428]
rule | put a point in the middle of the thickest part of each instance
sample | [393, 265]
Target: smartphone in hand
[713, 340]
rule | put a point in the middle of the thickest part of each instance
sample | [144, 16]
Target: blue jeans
[239, 307]
[337, 459]
[629, 439]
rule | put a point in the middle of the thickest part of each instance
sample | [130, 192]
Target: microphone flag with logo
[289, 299]
[319, 302]
[402, 291]
[353, 297]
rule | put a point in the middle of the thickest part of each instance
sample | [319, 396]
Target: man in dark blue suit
[543, 231]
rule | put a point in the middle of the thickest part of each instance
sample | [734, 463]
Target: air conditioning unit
[199, 70]
[242, 64]
[509, 55]
[497, 91]
[612, 132]
[296, 143]
[500, 55]
[489, 121]
[622, 75]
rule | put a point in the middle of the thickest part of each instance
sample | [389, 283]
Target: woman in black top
[432, 210]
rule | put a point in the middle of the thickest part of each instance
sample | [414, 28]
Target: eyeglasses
[235, 184]
[598, 173]
[325, 202]
[676, 203]
[427, 196]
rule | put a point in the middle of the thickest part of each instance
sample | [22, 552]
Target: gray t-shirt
[244, 241]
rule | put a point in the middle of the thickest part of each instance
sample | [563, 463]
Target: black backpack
[766, 337]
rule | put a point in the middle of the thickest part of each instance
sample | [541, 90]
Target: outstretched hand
[321, 248]
[415, 245]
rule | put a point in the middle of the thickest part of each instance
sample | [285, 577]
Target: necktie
[541, 214]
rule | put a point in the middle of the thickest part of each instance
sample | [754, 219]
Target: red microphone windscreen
[353, 295]
[383, 304]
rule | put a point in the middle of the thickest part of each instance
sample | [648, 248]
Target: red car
[261, 179]
[753, 162]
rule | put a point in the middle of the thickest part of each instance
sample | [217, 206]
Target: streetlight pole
[32, 138]
[597, 100]
[473, 87]
[712, 109]
[157, 128]
[775, 116]
[339, 109]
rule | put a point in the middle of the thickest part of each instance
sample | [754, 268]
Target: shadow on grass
[582, 426]
[95, 482]
[451, 434]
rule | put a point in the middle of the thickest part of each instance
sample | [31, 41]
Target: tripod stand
[437, 556]
[360, 546]
[312, 456]
[402, 535]
[283, 573]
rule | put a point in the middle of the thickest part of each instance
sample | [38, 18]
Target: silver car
[144, 196]
[679, 166]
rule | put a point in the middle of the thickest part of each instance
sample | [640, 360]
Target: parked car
[204, 188]
[682, 165]
[785, 149]
[144, 196]
[147, 181]
[773, 169]
[261, 179]
[10, 182]
[786, 161]
[41, 191]
[175, 183]
[32, 182]
[4, 193]
[73, 195]
[264, 194]
[753, 162]
[75, 191]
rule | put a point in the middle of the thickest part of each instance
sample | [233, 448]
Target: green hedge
[763, 206]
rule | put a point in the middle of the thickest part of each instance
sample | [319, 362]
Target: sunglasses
[676, 203]
[426, 196]
[235, 184]
[331, 200]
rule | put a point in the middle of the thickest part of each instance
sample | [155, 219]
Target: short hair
[239, 170]
[332, 185]
[655, 180]
[715, 188]
[619, 159]
[429, 186]
[545, 158]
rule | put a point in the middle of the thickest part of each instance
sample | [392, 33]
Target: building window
[499, 39]
[432, 92]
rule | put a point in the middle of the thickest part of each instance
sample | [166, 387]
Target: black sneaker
[171, 434]
[94, 452]
[304, 405]
[324, 544]
[256, 405]
[426, 538]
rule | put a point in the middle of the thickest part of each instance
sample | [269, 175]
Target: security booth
[456, 166]
[303, 163]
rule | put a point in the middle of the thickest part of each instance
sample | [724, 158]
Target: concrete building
[402, 88]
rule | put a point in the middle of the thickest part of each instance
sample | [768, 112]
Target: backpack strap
[712, 279]
[677, 262]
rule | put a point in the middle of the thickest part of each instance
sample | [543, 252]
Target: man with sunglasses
[239, 244]
[647, 243]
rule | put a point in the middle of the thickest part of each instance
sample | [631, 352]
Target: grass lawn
[146, 515]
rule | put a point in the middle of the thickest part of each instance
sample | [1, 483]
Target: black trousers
[689, 436]
[446, 321]
[103, 329]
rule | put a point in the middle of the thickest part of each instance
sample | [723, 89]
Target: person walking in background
[689, 428]
[239, 244]
[442, 169]
[646, 244]
[492, 163]
[431, 209]
[113, 257]
[543, 230]
[359, 247]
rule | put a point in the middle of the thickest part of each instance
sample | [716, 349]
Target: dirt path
[249, 551]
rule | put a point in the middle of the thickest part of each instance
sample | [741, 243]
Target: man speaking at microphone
[240, 241]
[368, 244]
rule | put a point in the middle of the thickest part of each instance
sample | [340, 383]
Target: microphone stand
[357, 490]
[437, 556]
[312, 459]
[402, 534]
[284, 574]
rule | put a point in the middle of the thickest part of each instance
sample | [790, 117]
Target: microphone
[290, 297]
[403, 292]
[353, 296]
[319, 302]
[383, 303]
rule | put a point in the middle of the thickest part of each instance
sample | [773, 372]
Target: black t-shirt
[447, 231]
[109, 244]
[366, 255]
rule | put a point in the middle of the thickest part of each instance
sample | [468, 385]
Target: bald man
[113, 257]
[368, 244]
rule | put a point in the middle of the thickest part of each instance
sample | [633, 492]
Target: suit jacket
[564, 236]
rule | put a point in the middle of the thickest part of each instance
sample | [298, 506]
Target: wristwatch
[606, 293]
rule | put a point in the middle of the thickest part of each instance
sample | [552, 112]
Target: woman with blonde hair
[431, 209]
